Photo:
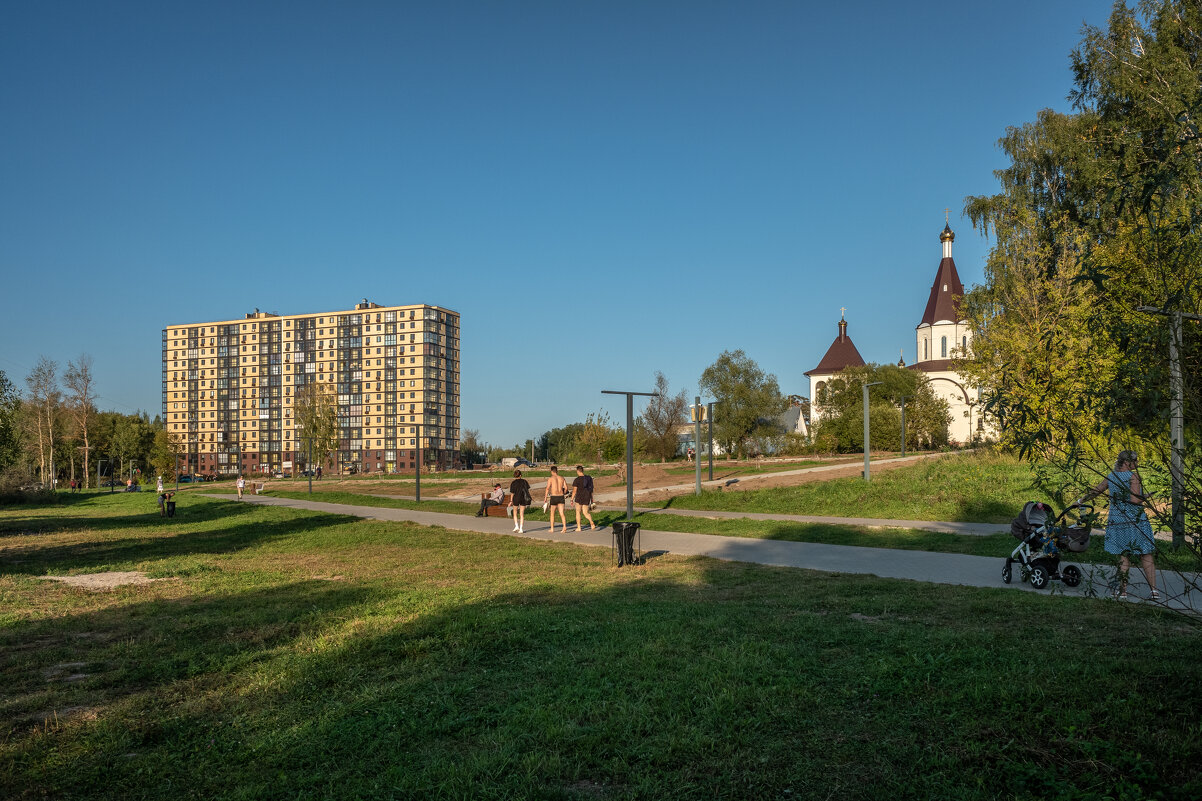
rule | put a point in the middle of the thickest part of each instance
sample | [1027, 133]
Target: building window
[926, 349]
[943, 347]
[964, 344]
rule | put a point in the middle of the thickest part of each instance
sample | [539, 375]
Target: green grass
[974, 487]
[290, 654]
[999, 544]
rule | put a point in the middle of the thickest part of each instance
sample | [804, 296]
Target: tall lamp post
[418, 463]
[867, 474]
[629, 445]
[709, 419]
[697, 441]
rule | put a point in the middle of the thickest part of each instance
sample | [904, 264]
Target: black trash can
[170, 508]
[624, 534]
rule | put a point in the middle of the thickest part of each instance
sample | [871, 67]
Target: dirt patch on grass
[103, 581]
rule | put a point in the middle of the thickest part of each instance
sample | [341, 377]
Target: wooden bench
[496, 511]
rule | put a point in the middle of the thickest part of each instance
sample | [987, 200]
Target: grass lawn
[299, 655]
[970, 487]
[999, 545]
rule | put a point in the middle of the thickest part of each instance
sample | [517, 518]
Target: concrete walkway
[973, 529]
[619, 494]
[937, 568]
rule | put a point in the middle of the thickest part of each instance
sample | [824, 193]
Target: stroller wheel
[1007, 572]
[1040, 576]
[1071, 576]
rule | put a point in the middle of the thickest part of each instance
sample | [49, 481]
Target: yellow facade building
[228, 388]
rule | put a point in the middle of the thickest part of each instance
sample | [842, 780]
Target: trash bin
[170, 508]
[624, 534]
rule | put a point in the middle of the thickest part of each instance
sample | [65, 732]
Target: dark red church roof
[947, 290]
[842, 353]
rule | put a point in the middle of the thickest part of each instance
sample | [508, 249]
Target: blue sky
[601, 189]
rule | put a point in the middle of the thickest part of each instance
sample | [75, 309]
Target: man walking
[582, 494]
[241, 484]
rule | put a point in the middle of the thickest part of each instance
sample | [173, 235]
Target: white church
[942, 335]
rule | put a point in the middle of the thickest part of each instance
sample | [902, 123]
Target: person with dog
[1128, 531]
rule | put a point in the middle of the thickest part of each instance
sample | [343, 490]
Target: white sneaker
[521, 531]
[515, 528]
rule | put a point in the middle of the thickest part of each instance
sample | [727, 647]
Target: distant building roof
[842, 353]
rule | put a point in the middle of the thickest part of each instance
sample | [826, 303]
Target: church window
[943, 347]
[926, 349]
[964, 344]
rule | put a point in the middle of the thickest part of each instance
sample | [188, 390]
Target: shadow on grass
[499, 668]
[237, 527]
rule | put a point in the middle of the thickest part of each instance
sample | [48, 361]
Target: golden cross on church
[945, 213]
[841, 310]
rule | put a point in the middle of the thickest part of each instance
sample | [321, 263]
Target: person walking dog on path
[519, 499]
[494, 499]
[241, 484]
[553, 495]
[1127, 528]
[582, 494]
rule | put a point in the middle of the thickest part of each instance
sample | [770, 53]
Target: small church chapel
[942, 335]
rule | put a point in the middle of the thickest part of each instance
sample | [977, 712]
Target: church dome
[948, 235]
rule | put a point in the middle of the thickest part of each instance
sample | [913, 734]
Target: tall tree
[662, 418]
[44, 399]
[316, 415]
[10, 441]
[750, 400]
[1100, 216]
[841, 401]
[81, 402]
[471, 449]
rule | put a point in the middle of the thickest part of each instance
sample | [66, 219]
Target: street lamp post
[867, 474]
[418, 462]
[697, 441]
[709, 419]
[629, 445]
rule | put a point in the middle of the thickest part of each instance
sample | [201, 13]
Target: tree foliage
[81, 404]
[1099, 213]
[10, 437]
[840, 403]
[663, 417]
[749, 401]
[316, 415]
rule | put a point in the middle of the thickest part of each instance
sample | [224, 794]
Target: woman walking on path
[582, 494]
[1127, 528]
[241, 484]
[554, 494]
[519, 499]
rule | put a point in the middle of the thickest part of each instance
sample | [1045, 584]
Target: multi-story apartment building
[228, 388]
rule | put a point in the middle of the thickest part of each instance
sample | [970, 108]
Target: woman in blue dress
[1127, 528]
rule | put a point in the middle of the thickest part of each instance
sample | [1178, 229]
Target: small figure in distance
[241, 485]
[519, 499]
[162, 504]
[1127, 528]
[319, 472]
[582, 494]
[494, 499]
[554, 494]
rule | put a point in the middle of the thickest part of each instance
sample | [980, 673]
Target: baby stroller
[1041, 538]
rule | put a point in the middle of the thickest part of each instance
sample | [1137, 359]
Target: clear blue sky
[602, 189]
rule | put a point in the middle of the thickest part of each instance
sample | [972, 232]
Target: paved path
[974, 529]
[938, 568]
[619, 493]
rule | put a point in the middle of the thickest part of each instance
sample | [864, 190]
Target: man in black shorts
[582, 494]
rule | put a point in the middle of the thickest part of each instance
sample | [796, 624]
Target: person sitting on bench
[494, 499]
